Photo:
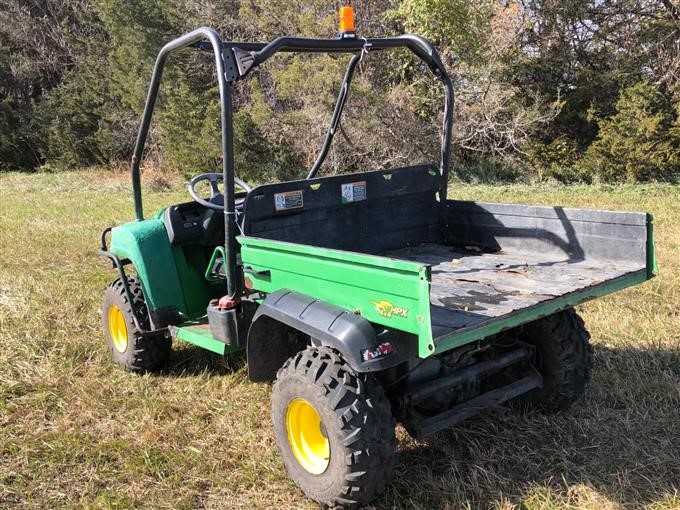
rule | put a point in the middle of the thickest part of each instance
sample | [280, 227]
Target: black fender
[286, 322]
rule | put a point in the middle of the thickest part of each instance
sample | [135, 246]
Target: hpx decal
[388, 310]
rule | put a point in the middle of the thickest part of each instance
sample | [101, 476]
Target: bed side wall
[576, 234]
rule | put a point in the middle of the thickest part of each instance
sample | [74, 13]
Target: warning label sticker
[353, 192]
[288, 200]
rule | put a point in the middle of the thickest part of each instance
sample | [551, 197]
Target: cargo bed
[470, 289]
[450, 274]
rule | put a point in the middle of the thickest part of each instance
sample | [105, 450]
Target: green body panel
[390, 292]
[652, 267]
[171, 276]
[191, 264]
[198, 333]
[146, 245]
[359, 282]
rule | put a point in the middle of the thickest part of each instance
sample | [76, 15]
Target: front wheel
[334, 429]
[130, 347]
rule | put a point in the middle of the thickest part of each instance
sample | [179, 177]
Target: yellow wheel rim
[307, 441]
[118, 329]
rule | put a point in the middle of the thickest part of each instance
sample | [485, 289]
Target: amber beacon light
[346, 21]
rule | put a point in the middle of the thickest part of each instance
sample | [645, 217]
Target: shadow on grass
[191, 361]
[620, 442]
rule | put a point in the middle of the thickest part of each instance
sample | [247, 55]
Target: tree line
[545, 89]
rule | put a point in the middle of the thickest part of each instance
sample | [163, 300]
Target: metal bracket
[237, 63]
[231, 72]
[244, 61]
[215, 270]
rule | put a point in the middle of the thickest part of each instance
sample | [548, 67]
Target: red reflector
[227, 303]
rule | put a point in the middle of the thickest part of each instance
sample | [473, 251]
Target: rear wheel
[563, 357]
[130, 347]
[334, 429]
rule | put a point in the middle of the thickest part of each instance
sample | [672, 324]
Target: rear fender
[288, 321]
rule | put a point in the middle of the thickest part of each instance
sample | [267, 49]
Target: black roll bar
[229, 54]
[200, 34]
[415, 43]
[420, 46]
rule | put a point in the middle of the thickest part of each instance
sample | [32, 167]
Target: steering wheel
[213, 179]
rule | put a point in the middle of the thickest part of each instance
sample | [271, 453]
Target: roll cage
[235, 61]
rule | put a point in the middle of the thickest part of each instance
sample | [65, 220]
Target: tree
[41, 41]
[640, 141]
[587, 52]
[494, 117]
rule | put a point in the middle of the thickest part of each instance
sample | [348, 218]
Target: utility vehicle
[368, 299]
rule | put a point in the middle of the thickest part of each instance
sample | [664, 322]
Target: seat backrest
[370, 212]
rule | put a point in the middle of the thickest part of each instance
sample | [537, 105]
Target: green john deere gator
[368, 299]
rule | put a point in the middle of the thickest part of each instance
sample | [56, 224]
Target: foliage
[71, 115]
[462, 25]
[640, 142]
[558, 159]
[587, 52]
[136, 31]
[494, 117]
[15, 152]
[529, 77]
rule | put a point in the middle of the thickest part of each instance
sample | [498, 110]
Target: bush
[71, 116]
[641, 141]
[15, 147]
[557, 160]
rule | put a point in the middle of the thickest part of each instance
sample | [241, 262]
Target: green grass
[77, 432]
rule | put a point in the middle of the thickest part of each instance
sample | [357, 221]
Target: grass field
[77, 432]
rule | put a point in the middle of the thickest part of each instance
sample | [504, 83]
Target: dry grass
[77, 432]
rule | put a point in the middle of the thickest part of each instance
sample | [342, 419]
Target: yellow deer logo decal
[388, 310]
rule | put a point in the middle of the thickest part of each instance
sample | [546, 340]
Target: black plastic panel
[572, 234]
[396, 207]
[191, 223]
